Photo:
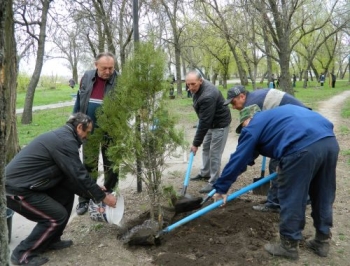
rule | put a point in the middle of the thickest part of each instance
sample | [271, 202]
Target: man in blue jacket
[213, 126]
[304, 143]
[266, 99]
[41, 181]
[94, 86]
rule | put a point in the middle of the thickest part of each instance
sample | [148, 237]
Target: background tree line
[247, 39]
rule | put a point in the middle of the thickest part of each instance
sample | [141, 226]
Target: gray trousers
[213, 146]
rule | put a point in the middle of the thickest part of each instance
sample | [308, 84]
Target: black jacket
[208, 103]
[49, 159]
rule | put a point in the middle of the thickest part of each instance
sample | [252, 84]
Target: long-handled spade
[215, 205]
[185, 202]
[262, 190]
[187, 176]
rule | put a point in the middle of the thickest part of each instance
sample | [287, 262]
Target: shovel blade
[186, 204]
[261, 190]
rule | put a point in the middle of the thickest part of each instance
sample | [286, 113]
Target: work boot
[287, 248]
[320, 244]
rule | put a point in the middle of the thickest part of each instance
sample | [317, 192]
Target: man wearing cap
[266, 99]
[305, 146]
[213, 126]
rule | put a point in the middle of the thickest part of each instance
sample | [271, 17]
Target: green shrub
[22, 82]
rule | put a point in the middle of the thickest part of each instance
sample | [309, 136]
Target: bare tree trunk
[75, 71]
[306, 79]
[183, 66]
[214, 78]
[263, 77]
[11, 70]
[178, 68]
[8, 130]
[27, 115]
[268, 58]
[285, 79]
[171, 11]
[123, 44]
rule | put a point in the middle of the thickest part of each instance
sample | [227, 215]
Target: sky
[51, 67]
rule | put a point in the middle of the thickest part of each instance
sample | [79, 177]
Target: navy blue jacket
[274, 133]
[270, 98]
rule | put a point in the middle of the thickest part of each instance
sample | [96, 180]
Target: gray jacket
[86, 86]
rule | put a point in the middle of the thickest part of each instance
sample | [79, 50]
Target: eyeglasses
[192, 84]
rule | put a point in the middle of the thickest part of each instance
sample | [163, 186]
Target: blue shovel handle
[210, 194]
[188, 172]
[218, 203]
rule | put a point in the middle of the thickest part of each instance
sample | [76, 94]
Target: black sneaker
[60, 245]
[82, 208]
[33, 260]
[200, 178]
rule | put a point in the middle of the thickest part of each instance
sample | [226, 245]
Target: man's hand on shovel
[194, 149]
[218, 196]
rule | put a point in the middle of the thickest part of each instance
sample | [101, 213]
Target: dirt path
[331, 108]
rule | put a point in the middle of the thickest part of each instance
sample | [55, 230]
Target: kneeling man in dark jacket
[41, 181]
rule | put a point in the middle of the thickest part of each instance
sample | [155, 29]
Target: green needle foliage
[138, 123]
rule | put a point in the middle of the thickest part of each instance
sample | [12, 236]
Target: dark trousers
[272, 198]
[51, 210]
[310, 171]
[272, 195]
[91, 156]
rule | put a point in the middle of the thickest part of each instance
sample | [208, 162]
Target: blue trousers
[310, 171]
[272, 195]
[51, 210]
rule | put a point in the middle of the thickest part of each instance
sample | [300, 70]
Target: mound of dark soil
[230, 235]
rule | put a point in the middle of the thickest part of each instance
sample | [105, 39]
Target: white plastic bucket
[115, 215]
[103, 213]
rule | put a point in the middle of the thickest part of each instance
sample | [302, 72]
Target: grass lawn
[44, 96]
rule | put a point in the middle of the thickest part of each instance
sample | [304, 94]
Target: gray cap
[234, 92]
